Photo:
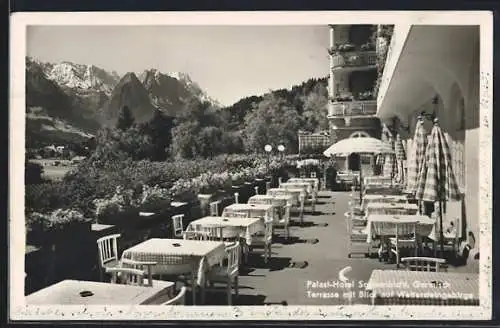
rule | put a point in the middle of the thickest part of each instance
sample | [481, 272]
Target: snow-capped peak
[82, 77]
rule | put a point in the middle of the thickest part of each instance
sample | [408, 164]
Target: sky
[228, 62]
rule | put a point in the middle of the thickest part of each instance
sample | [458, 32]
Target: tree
[315, 109]
[125, 119]
[272, 121]
[159, 129]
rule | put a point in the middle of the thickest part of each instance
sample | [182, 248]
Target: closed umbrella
[416, 155]
[364, 145]
[389, 162]
[436, 180]
[400, 158]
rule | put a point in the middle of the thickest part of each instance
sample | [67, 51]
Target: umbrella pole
[441, 234]
[360, 184]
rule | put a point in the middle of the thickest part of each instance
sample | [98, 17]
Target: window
[359, 134]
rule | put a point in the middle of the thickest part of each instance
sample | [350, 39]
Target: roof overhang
[424, 61]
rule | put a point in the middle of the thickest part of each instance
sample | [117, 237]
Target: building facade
[435, 69]
[352, 107]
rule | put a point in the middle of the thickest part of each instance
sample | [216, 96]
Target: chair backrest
[256, 188]
[108, 248]
[177, 221]
[214, 208]
[213, 233]
[126, 276]
[233, 214]
[406, 230]
[147, 267]
[196, 235]
[236, 198]
[429, 264]
[179, 299]
[233, 259]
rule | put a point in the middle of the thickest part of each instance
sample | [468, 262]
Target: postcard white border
[19, 311]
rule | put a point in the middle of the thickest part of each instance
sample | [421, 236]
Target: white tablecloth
[67, 292]
[282, 200]
[367, 199]
[383, 224]
[246, 226]
[391, 208]
[307, 187]
[402, 287]
[313, 181]
[294, 193]
[203, 253]
[253, 210]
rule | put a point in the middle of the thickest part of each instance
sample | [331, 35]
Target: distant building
[352, 108]
[313, 143]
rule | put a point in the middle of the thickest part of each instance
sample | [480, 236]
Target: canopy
[361, 145]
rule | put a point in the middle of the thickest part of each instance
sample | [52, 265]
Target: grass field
[54, 172]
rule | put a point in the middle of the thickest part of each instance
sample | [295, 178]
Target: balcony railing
[353, 108]
[354, 59]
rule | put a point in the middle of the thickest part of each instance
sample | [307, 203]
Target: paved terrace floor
[319, 251]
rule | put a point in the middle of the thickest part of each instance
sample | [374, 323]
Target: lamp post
[281, 149]
[268, 148]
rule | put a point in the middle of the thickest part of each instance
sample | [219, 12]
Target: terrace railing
[353, 108]
[355, 58]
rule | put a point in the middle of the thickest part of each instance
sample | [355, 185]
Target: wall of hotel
[458, 113]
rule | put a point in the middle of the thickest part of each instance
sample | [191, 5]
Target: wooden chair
[356, 230]
[178, 224]
[126, 276]
[179, 299]
[146, 267]
[405, 238]
[284, 222]
[429, 264]
[195, 235]
[227, 273]
[107, 247]
[265, 241]
[214, 208]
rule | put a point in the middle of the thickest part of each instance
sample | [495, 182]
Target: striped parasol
[389, 162]
[400, 158]
[416, 155]
[436, 180]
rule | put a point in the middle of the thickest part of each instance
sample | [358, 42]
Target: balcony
[353, 108]
[356, 59]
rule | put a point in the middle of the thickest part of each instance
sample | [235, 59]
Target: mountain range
[67, 101]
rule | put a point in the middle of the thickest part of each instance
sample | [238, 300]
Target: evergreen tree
[125, 119]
